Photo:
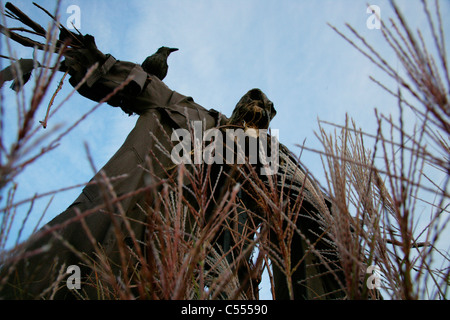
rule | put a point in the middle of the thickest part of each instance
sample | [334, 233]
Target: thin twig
[44, 122]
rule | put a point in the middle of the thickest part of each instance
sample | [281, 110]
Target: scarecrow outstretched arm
[141, 92]
[106, 77]
[80, 53]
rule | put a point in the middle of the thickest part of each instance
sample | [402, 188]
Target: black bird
[156, 64]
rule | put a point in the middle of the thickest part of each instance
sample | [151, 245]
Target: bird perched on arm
[156, 64]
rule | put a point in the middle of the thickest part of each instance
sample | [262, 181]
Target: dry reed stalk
[377, 203]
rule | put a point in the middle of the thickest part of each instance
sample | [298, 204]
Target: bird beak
[173, 49]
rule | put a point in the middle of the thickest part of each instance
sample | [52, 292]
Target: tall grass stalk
[388, 210]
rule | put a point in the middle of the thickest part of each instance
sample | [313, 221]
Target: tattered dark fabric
[140, 164]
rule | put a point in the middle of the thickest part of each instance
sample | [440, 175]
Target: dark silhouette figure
[156, 64]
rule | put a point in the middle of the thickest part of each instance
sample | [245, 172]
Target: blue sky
[285, 48]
